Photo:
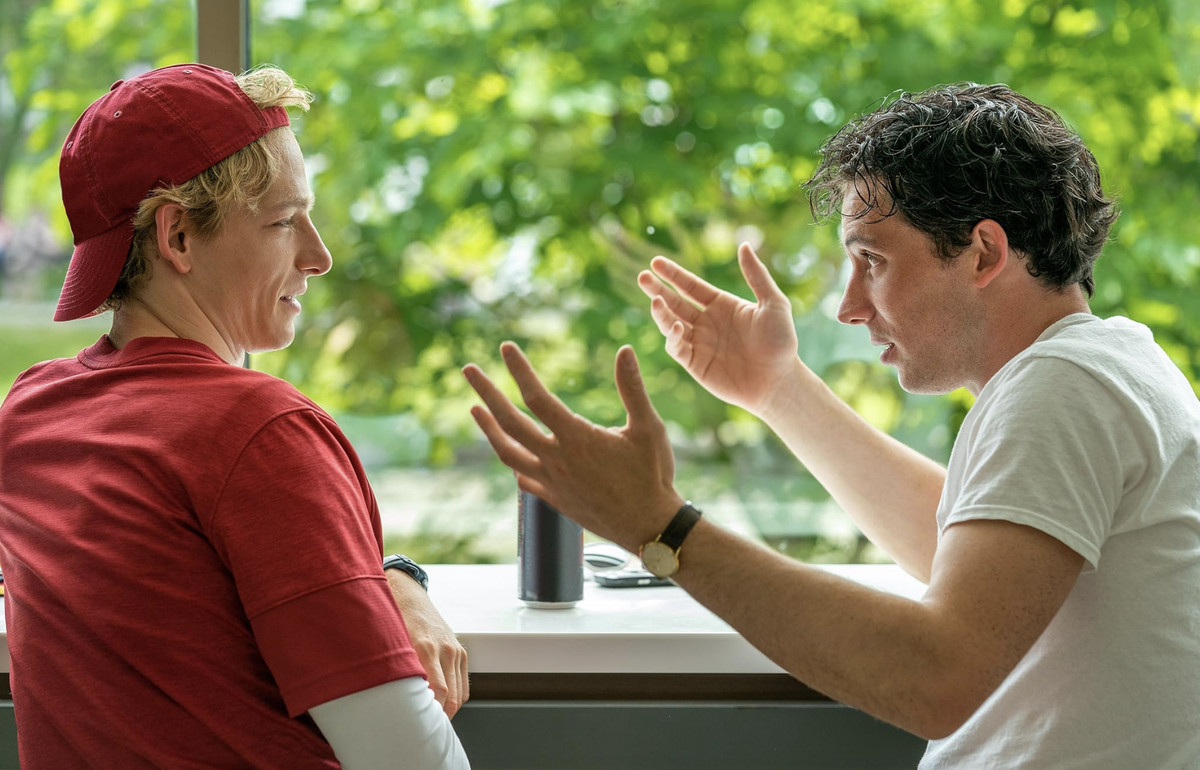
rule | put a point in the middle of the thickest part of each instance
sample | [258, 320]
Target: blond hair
[241, 179]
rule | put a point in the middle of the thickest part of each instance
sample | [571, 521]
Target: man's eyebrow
[856, 239]
[305, 202]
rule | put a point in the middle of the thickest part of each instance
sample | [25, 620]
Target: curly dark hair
[946, 158]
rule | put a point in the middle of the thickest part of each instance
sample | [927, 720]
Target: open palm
[736, 349]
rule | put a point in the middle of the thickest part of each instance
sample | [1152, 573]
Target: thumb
[632, 389]
[758, 278]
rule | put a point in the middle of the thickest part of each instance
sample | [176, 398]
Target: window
[58, 57]
[493, 170]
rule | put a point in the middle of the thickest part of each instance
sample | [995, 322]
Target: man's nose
[315, 259]
[854, 307]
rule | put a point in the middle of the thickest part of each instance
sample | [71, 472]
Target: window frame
[223, 34]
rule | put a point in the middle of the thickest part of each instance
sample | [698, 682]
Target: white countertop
[612, 630]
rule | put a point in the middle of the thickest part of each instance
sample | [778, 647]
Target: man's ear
[989, 243]
[173, 237]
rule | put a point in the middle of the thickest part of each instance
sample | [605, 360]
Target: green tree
[488, 170]
[491, 171]
[58, 57]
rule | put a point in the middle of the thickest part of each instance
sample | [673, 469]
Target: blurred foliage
[490, 171]
[27, 342]
[430, 545]
[502, 170]
[58, 57]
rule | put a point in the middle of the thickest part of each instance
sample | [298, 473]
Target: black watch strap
[405, 564]
[685, 518]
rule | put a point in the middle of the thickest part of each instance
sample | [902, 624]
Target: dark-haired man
[1061, 546]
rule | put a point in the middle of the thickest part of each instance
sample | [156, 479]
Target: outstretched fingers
[632, 389]
[536, 458]
[665, 318]
[679, 343]
[669, 298]
[673, 314]
[546, 406]
[758, 278]
[514, 436]
[510, 451]
[689, 285]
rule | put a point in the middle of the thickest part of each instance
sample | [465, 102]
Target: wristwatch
[405, 564]
[661, 555]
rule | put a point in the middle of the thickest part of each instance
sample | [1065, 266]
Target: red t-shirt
[192, 556]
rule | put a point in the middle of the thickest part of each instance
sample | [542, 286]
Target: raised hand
[737, 350]
[616, 482]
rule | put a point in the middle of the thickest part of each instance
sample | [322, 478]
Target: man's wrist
[785, 392]
[662, 513]
[408, 567]
[661, 555]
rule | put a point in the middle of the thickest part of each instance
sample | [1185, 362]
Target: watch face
[659, 558]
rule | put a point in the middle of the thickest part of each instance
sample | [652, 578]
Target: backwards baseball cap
[158, 129]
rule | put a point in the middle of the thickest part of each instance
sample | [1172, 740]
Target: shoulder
[217, 388]
[1086, 385]
[1086, 336]
[1117, 346]
[1084, 352]
[207, 396]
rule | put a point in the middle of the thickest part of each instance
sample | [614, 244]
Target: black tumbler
[549, 555]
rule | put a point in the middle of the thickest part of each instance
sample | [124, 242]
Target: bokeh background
[490, 170]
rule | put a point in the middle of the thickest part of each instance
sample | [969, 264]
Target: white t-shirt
[1091, 435]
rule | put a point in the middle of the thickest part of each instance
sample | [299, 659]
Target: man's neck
[136, 318]
[1019, 326]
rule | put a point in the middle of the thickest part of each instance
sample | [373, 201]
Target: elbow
[936, 726]
[946, 708]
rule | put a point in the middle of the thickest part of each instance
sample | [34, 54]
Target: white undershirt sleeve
[394, 725]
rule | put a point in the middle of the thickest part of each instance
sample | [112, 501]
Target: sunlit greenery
[502, 170]
[491, 171]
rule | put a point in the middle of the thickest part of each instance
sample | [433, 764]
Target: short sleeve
[1049, 452]
[297, 525]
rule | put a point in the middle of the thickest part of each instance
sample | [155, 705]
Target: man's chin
[278, 343]
[919, 386]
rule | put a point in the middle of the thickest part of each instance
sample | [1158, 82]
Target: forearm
[924, 665]
[888, 489]
[442, 656]
[397, 724]
[885, 654]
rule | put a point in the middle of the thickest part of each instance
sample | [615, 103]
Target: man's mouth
[888, 349]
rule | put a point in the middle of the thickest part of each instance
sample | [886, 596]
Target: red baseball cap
[155, 130]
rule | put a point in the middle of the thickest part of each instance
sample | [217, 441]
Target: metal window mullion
[223, 34]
